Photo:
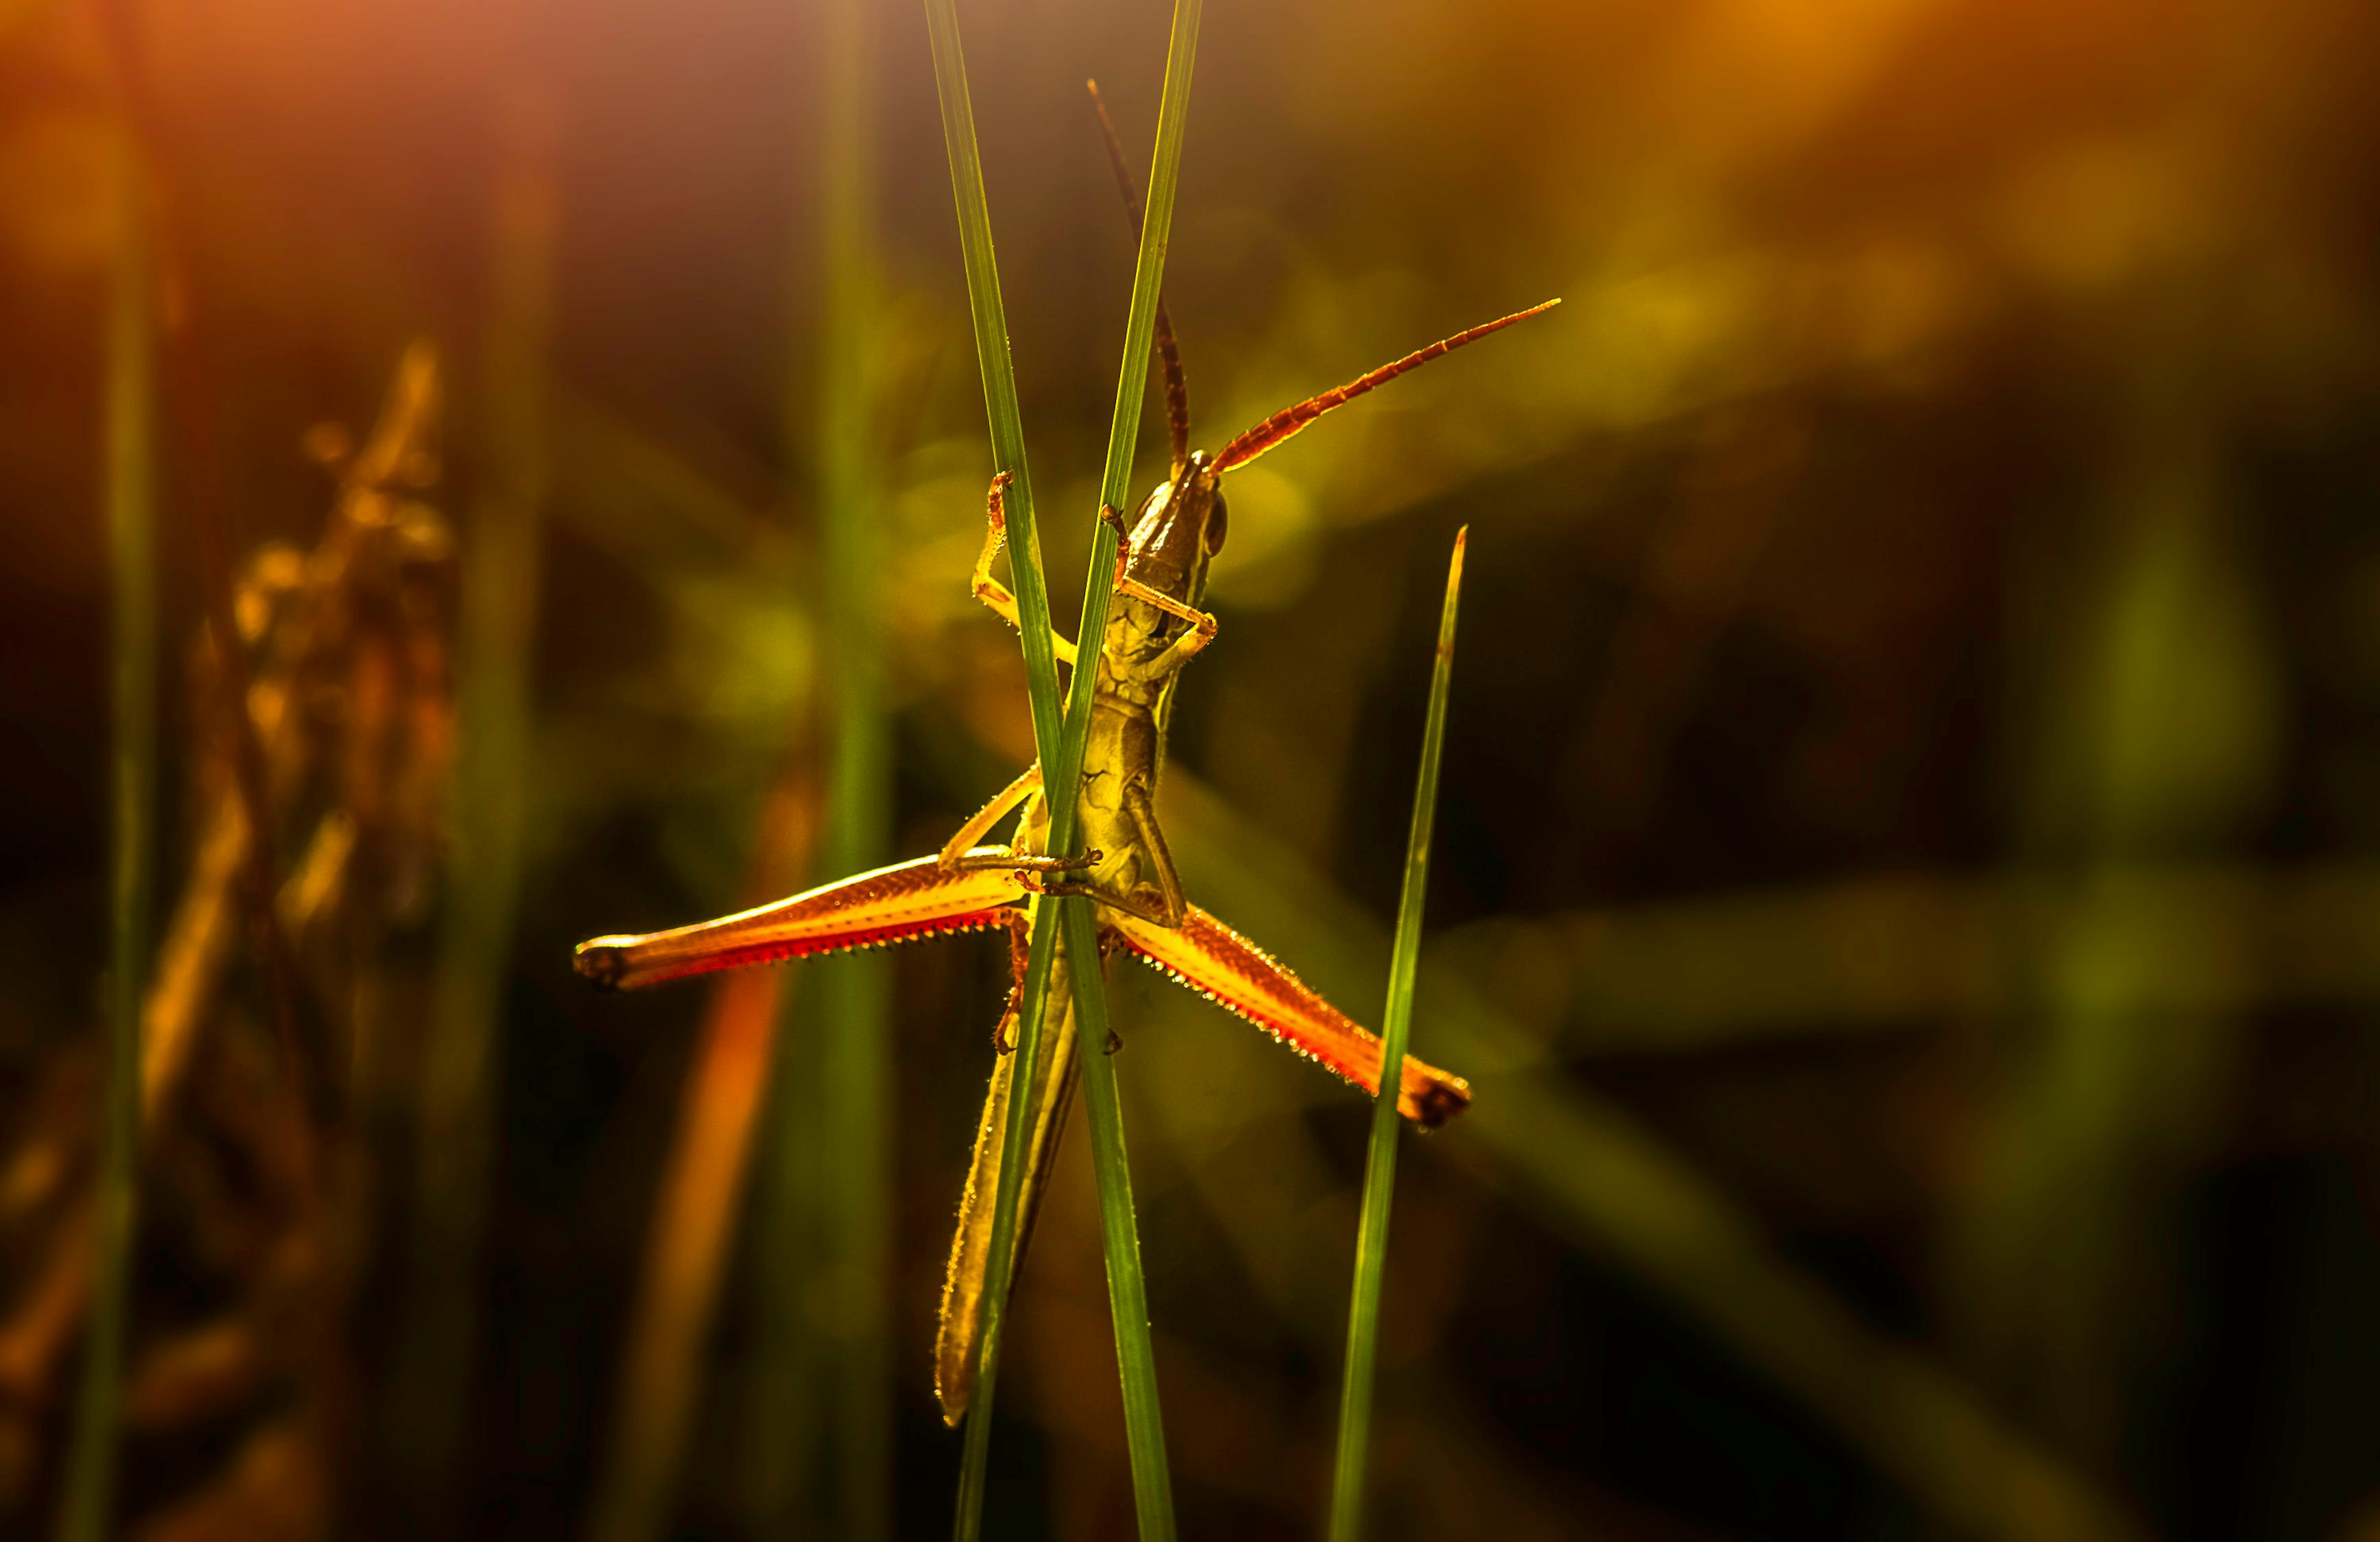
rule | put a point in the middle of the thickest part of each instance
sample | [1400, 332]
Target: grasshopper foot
[1055, 863]
[1114, 521]
[1036, 873]
[601, 962]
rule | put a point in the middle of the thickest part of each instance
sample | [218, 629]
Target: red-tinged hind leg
[899, 903]
[1228, 969]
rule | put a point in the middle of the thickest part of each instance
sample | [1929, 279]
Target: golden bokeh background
[1907, 886]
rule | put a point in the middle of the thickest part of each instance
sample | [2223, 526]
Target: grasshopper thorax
[1180, 530]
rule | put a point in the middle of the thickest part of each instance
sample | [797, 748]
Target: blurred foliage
[1908, 869]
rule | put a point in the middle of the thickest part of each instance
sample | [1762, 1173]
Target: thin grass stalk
[1144, 1424]
[1060, 754]
[1007, 421]
[489, 795]
[1381, 1170]
[1127, 1294]
[1040, 685]
[130, 473]
[827, 1248]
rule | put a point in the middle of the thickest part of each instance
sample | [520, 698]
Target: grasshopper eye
[1217, 521]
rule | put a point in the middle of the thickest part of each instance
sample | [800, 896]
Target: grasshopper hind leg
[1050, 1083]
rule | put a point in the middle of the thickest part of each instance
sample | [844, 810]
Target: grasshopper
[1155, 625]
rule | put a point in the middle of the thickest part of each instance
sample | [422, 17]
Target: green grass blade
[1040, 685]
[990, 319]
[1144, 1424]
[1381, 1170]
[1127, 1296]
[1062, 753]
[130, 472]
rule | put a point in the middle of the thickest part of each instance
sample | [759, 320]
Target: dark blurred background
[1908, 889]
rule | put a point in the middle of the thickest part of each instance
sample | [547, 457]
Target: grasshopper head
[1180, 530]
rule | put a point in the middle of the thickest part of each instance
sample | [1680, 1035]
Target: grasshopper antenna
[1169, 350]
[1287, 422]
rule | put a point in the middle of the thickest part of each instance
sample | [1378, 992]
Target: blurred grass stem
[694, 1220]
[498, 631]
[1381, 1170]
[129, 473]
[825, 1244]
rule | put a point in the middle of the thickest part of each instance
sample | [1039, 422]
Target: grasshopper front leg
[1203, 625]
[991, 591]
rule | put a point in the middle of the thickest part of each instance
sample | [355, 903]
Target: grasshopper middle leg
[960, 855]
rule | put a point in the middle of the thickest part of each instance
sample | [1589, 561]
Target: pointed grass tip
[1454, 588]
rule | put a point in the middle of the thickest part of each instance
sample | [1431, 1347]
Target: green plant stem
[1040, 685]
[1060, 752]
[1127, 1294]
[990, 319]
[1381, 1170]
[1144, 1424]
[129, 479]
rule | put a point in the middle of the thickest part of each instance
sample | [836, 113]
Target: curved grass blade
[130, 473]
[1040, 684]
[1127, 1296]
[1381, 1170]
[1061, 752]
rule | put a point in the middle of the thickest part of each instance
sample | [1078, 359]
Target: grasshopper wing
[1228, 969]
[891, 904]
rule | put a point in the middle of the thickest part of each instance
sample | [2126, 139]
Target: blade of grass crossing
[1381, 1170]
[1062, 753]
[1040, 685]
[130, 473]
[999, 375]
[1152, 1483]
[1127, 1294]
